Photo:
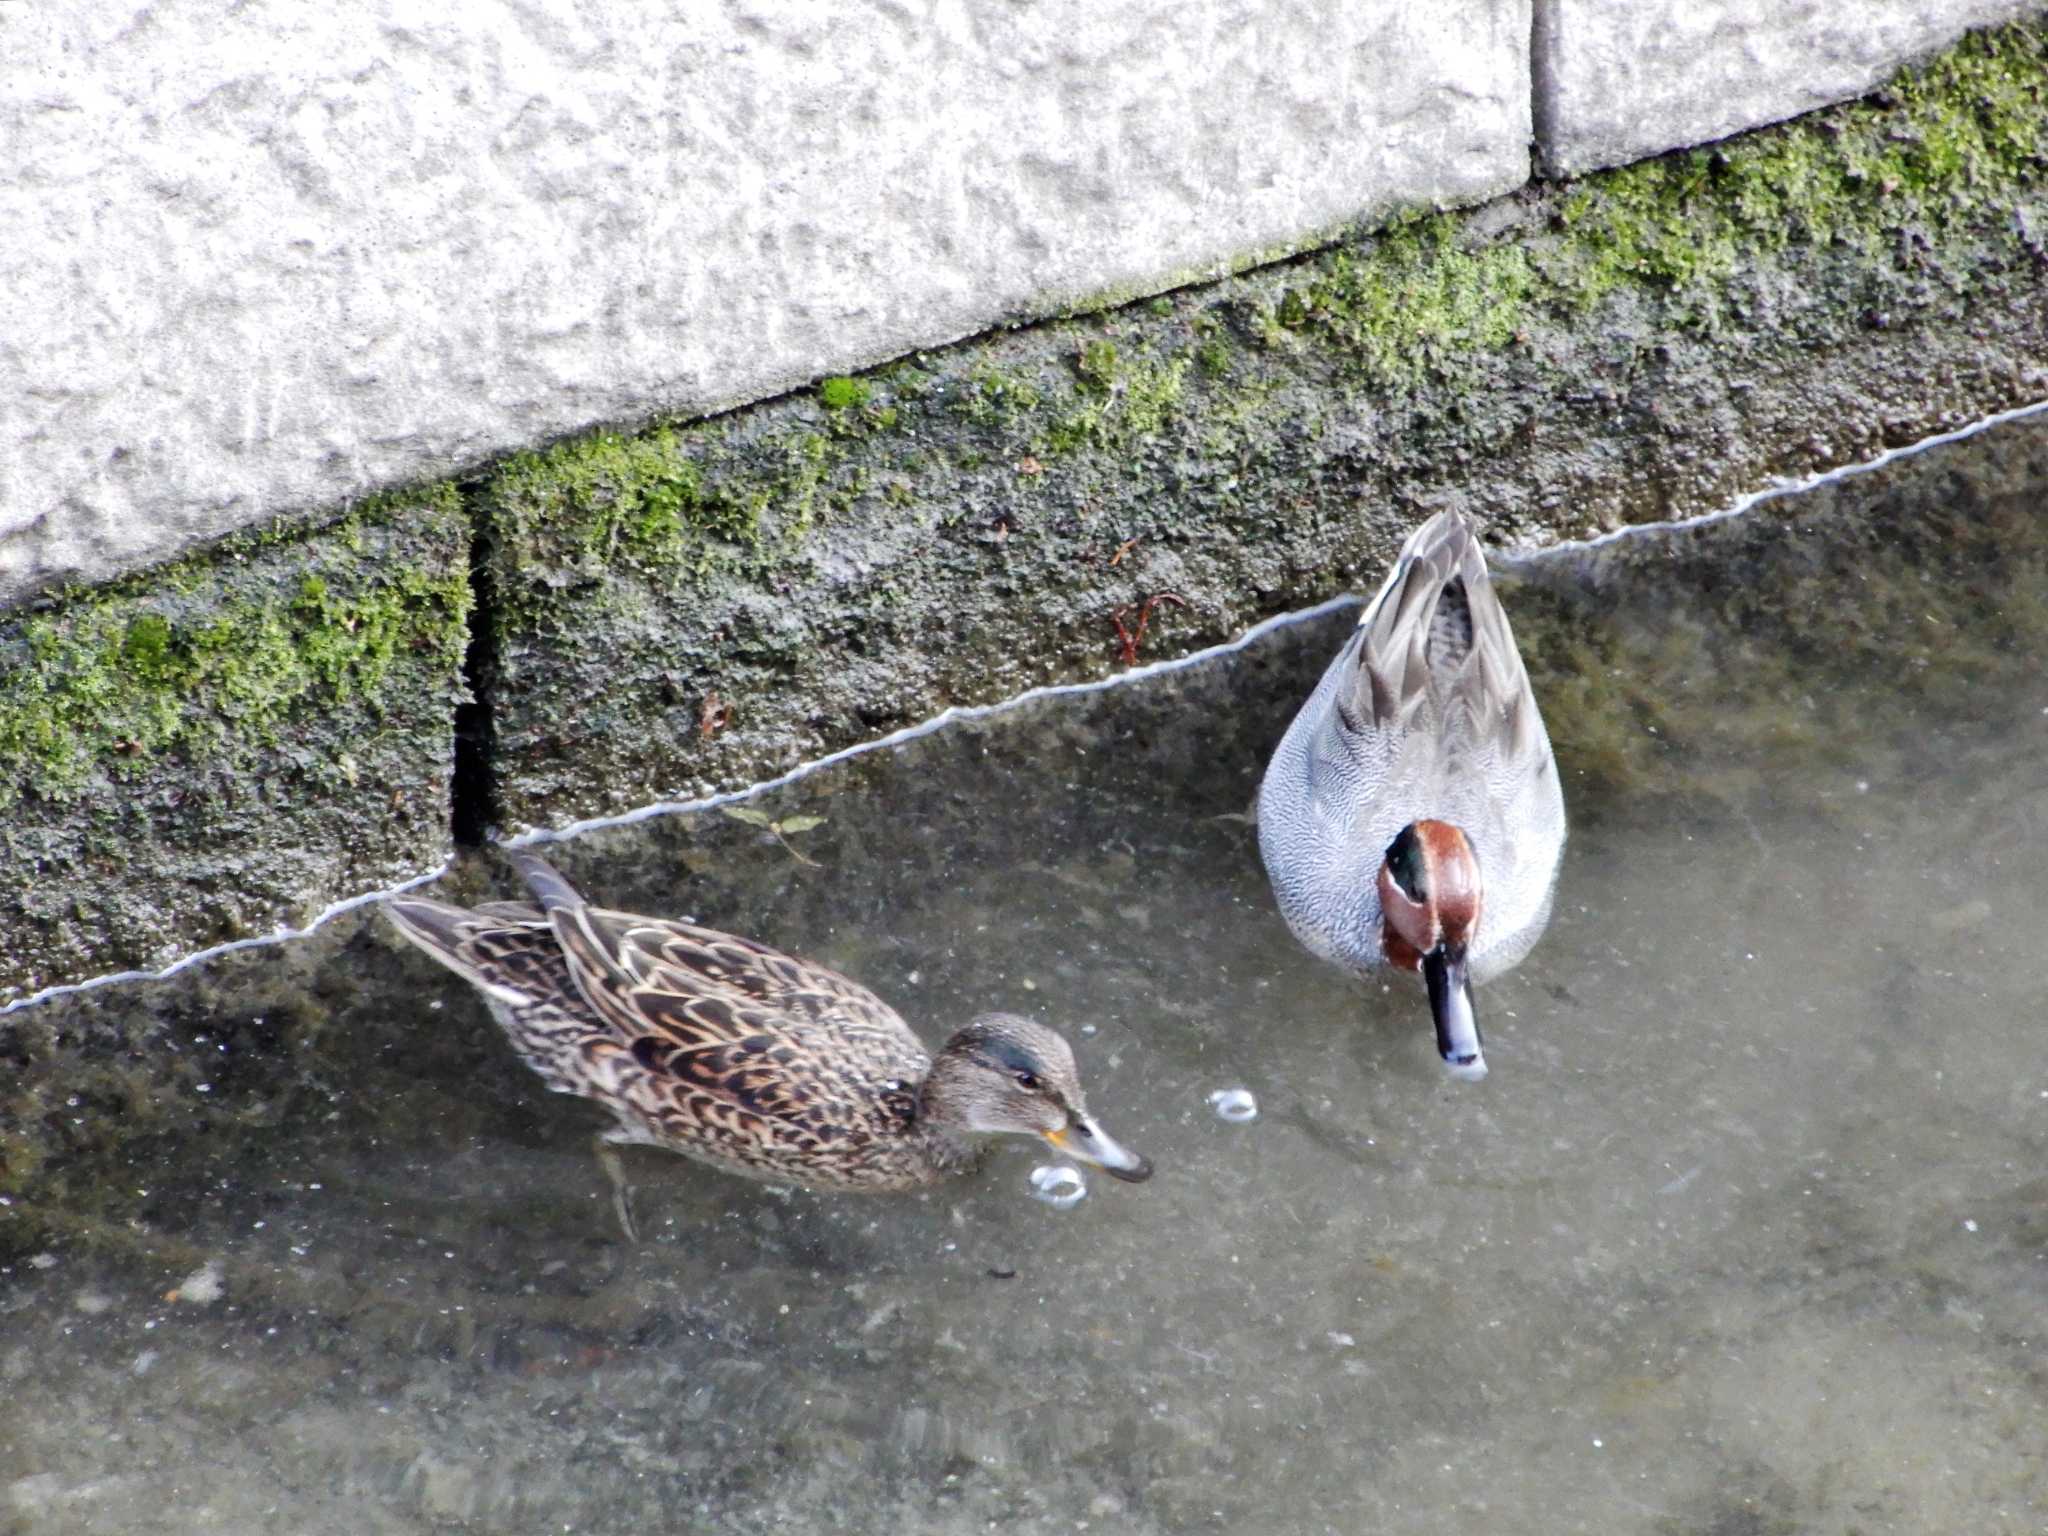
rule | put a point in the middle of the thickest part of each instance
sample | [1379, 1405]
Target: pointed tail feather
[553, 892]
[506, 950]
[1398, 625]
[591, 949]
[435, 926]
[1436, 615]
[446, 932]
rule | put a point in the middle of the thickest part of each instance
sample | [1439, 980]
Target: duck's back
[710, 1045]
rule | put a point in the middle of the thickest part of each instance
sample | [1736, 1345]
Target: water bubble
[1234, 1104]
[1058, 1186]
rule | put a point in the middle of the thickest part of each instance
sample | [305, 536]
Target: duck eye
[1026, 1080]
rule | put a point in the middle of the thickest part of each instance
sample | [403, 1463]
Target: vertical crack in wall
[473, 791]
[1543, 81]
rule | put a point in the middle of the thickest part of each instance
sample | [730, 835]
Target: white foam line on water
[1777, 488]
[709, 802]
[277, 936]
[946, 717]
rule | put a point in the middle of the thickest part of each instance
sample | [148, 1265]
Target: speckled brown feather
[714, 1046]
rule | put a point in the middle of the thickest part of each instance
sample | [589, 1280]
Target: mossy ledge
[203, 751]
[703, 603]
[207, 749]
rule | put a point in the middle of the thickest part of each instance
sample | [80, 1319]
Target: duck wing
[506, 949]
[711, 1017]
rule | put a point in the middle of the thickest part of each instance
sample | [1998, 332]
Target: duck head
[1430, 902]
[1003, 1073]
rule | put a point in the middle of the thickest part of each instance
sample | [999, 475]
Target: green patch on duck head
[1405, 864]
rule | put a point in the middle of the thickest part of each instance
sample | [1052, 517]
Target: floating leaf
[750, 816]
[800, 824]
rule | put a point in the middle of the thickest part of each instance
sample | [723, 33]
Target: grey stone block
[215, 749]
[262, 260]
[706, 605]
[1620, 79]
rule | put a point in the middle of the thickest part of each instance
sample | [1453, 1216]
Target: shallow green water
[1746, 1232]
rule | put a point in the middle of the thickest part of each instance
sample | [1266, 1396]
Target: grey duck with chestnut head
[1411, 816]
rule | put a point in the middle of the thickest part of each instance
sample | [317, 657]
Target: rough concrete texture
[1620, 79]
[199, 753]
[705, 604]
[229, 744]
[260, 262]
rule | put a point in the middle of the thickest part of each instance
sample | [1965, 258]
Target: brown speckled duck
[740, 1056]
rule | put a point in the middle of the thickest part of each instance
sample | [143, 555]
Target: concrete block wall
[207, 748]
[261, 262]
[1616, 80]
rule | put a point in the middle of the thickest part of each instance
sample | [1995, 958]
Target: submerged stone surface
[704, 604]
[1762, 1149]
[229, 744]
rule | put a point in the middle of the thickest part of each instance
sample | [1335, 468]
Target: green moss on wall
[703, 602]
[1942, 152]
[1412, 300]
[113, 680]
[842, 394]
[1935, 150]
[200, 752]
[676, 504]
[1118, 401]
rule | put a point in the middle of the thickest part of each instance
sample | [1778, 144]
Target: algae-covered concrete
[230, 743]
[705, 603]
[203, 752]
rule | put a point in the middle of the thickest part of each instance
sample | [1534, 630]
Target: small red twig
[1129, 638]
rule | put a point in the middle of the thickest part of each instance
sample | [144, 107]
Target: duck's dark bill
[1138, 1172]
[1450, 1004]
[1086, 1141]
